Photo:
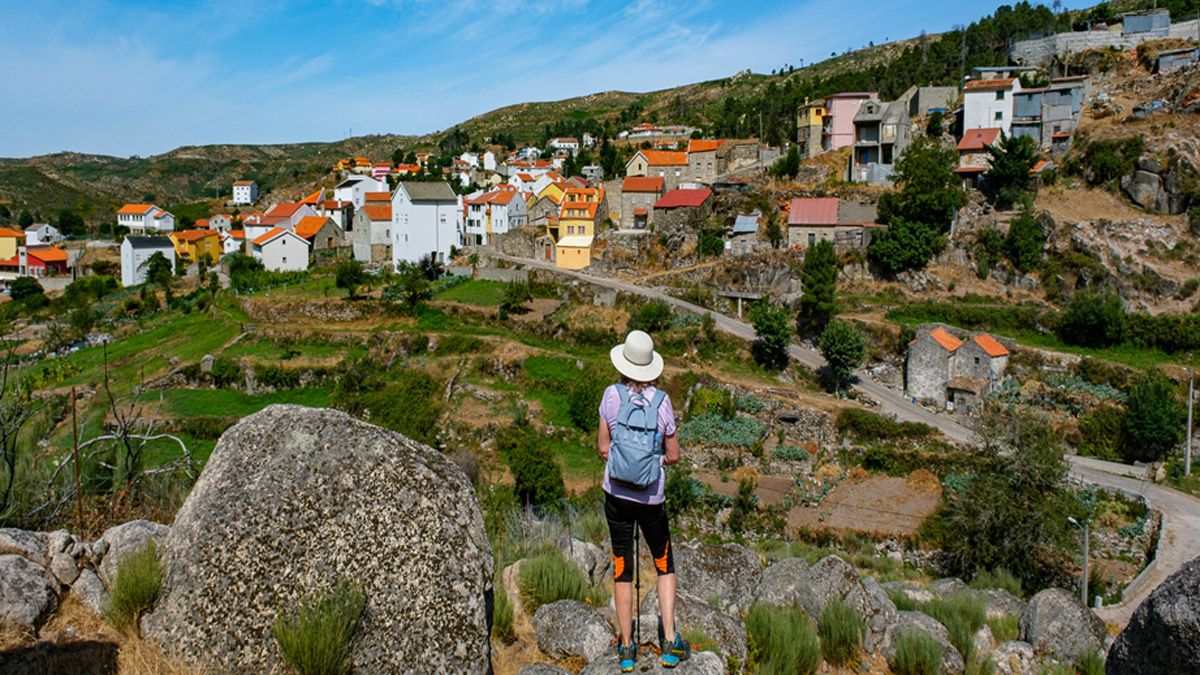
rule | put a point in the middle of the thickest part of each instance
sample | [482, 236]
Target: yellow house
[10, 241]
[193, 245]
[573, 252]
[554, 191]
[577, 219]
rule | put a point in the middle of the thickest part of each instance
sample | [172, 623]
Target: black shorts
[624, 519]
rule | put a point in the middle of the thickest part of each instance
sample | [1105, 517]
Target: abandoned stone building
[944, 371]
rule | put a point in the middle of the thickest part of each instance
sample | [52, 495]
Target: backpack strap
[655, 402]
[622, 392]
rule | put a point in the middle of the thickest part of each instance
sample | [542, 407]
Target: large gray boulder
[570, 628]
[25, 544]
[121, 540]
[783, 582]
[1056, 624]
[544, 669]
[1015, 658]
[727, 632]
[701, 663]
[28, 592]
[952, 661]
[1001, 603]
[595, 564]
[294, 500]
[91, 592]
[729, 573]
[1164, 634]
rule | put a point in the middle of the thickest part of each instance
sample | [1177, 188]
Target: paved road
[1180, 537]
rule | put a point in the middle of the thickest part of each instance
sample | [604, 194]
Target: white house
[426, 219]
[143, 219]
[489, 161]
[371, 236]
[286, 215]
[233, 241]
[282, 250]
[355, 188]
[989, 103]
[136, 250]
[42, 234]
[568, 144]
[219, 222]
[340, 212]
[494, 213]
[470, 158]
[245, 192]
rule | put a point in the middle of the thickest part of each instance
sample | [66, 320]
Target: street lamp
[1083, 585]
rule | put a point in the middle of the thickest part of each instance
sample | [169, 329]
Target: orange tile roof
[236, 234]
[378, 197]
[946, 340]
[271, 234]
[6, 232]
[243, 183]
[193, 235]
[986, 85]
[314, 198]
[333, 204]
[642, 184]
[378, 211]
[990, 345]
[664, 157]
[704, 145]
[309, 226]
[286, 209]
[48, 255]
[202, 224]
[978, 139]
[589, 209]
[135, 209]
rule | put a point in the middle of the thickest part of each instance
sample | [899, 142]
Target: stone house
[325, 239]
[702, 160]
[847, 224]
[668, 165]
[371, 233]
[810, 125]
[638, 196]
[973, 157]
[682, 210]
[949, 373]
[743, 238]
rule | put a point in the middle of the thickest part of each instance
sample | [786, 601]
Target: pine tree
[844, 348]
[1025, 242]
[1008, 177]
[818, 305]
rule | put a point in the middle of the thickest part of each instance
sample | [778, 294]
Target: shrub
[1005, 628]
[789, 453]
[773, 335]
[865, 424]
[842, 629]
[516, 294]
[410, 403]
[782, 640]
[904, 245]
[999, 578]
[349, 275]
[549, 577]
[316, 637]
[711, 244]
[537, 478]
[1110, 160]
[962, 614]
[1151, 426]
[1090, 662]
[901, 600]
[653, 317]
[713, 429]
[844, 348]
[135, 588]
[502, 616]
[1093, 320]
[917, 653]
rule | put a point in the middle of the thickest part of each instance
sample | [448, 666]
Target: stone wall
[1041, 51]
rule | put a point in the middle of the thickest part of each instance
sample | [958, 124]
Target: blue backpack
[633, 455]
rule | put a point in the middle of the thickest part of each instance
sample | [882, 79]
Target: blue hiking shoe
[627, 655]
[675, 651]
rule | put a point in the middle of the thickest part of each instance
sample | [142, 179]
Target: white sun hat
[636, 358]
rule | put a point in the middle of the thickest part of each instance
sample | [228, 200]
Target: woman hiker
[637, 437]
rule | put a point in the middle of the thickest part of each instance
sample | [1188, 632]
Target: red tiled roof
[314, 198]
[589, 209]
[683, 198]
[704, 145]
[378, 211]
[135, 209]
[642, 184]
[1042, 165]
[986, 85]
[202, 224]
[664, 157]
[813, 211]
[971, 169]
[309, 226]
[6, 232]
[945, 340]
[333, 204]
[271, 234]
[48, 255]
[243, 183]
[193, 235]
[378, 196]
[639, 212]
[978, 139]
[236, 234]
[285, 210]
[990, 345]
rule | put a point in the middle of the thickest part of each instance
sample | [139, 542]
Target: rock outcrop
[1055, 623]
[1156, 189]
[783, 582]
[570, 628]
[1164, 634]
[294, 500]
[118, 542]
[28, 592]
[693, 613]
[952, 661]
[728, 573]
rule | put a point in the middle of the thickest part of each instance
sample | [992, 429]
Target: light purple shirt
[610, 405]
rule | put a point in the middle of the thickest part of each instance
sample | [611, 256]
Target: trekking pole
[637, 592]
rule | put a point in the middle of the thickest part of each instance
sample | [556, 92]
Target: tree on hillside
[1152, 425]
[516, 294]
[5, 213]
[1025, 242]
[844, 348]
[28, 292]
[411, 289]
[349, 275]
[819, 276]
[1008, 178]
[904, 245]
[25, 219]
[70, 223]
[773, 335]
[928, 190]
[775, 233]
[1093, 319]
[787, 166]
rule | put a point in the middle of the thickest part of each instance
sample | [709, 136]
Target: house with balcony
[881, 133]
[196, 245]
[494, 213]
[145, 219]
[1049, 114]
[837, 125]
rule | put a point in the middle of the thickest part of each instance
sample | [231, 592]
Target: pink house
[839, 118]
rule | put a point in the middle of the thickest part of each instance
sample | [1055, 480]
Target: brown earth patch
[880, 505]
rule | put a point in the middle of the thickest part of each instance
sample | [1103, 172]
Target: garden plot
[877, 505]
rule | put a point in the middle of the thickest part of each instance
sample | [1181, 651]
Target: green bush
[1152, 424]
[962, 614]
[901, 600]
[710, 429]
[773, 335]
[135, 588]
[537, 478]
[652, 317]
[842, 629]
[1005, 628]
[408, 401]
[1090, 663]
[1109, 160]
[782, 640]
[549, 577]
[790, 453]
[917, 653]
[502, 616]
[1093, 320]
[315, 638]
[867, 425]
[999, 578]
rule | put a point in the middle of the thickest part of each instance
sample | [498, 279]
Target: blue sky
[143, 77]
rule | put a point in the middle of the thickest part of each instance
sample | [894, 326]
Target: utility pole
[75, 457]
[1083, 583]
[1187, 457]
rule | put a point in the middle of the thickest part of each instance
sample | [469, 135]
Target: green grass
[274, 352]
[782, 640]
[902, 601]
[841, 628]
[1000, 578]
[315, 638]
[135, 588]
[1090, 663]
[502, 616]
[231, 403]
[577, 459]
[917, 653]
[962, 614]
[549, 577]
[477, 292]
[1005, 628]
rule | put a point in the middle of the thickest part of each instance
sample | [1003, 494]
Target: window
[285, 260]
[1000, 95]
[976, 360]
[999, 115]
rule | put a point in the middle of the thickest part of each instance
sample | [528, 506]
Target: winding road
[1179, 540]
